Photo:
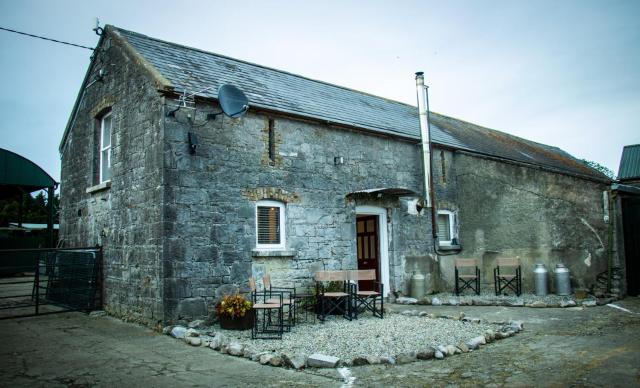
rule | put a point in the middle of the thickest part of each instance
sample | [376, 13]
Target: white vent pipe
[423, 108]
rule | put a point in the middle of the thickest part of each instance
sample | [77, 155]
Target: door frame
[383, 240]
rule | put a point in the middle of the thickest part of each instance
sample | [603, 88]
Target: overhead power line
[44, 38]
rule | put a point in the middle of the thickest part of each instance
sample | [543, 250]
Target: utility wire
[49, 39]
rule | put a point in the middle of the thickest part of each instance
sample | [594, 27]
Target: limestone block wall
[510, 210]
[210, 199]
[125, 217]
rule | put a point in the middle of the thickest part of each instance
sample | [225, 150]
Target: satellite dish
[233, 101]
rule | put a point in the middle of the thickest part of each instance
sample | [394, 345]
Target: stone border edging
[479, 301]
[219, 342]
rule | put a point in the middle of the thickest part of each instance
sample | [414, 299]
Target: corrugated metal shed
[630, 163]
[194, 70]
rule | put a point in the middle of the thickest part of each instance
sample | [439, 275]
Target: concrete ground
[596, 346]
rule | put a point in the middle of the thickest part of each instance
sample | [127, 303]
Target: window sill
[273, 253]
[99, 187]
[449, 247]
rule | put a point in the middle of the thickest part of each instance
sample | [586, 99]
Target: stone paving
[575, 346]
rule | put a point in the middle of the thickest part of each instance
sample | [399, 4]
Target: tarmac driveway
[597, 346]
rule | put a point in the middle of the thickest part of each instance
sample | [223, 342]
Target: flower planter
[240, 323]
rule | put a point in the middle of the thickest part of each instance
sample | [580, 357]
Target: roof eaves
[541, 166]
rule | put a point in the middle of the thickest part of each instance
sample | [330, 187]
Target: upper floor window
[270, 221]
[446, 228]
[105, 147]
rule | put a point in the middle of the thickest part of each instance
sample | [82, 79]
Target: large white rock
[318, 360]
[475, 342]
[296, 361]
[179, 332]
[406, 300]
[235, 349]
[192, 333]
[193, 341]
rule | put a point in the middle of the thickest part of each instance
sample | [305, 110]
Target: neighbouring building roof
[19, 175]
[194, 70]
[630, 163]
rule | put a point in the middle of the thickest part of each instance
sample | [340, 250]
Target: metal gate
[47, 281]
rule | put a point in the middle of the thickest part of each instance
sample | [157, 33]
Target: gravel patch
[393, 335]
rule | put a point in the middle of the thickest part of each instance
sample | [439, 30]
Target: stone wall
[125, 217]
[211, 196]
[510, 210]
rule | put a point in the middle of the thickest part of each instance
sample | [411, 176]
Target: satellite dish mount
[233, 102]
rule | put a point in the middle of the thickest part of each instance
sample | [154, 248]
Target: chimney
[423, 109]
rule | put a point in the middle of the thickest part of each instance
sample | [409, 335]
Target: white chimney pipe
[423, 108]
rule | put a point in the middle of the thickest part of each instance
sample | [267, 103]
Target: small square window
[270, 232]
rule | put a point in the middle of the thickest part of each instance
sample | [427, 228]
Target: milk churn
[417, 285]
[563, 280]
[540, 274]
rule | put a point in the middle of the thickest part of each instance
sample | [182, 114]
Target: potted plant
[234, 312]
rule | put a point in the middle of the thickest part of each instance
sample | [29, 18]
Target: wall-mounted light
[338, 160]
[193, 143]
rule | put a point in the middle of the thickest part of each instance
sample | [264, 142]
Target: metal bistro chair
[371, 300]
[332, 301]
[468, 280]
[288, 300]
[507, 274]
[265, 325]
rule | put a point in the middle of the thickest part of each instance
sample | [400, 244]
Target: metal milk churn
[540, 274]
[417, 285]
[563, 281]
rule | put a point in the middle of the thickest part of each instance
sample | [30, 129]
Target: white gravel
[393, 335]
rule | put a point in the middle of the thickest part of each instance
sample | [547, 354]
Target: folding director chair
[329, 302]
[467, 273]
[371, 300]
[507, 274]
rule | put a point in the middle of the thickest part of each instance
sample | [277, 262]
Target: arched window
[270, 222]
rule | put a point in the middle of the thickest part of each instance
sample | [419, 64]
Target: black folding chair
[467, 273]
[507, 275]
[366, 300]
[330, 302]
[288, 300]
[267, 313]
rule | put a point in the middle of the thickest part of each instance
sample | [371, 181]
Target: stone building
[189, 203]
[626, 194]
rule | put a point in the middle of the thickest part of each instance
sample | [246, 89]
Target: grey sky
[563, 73]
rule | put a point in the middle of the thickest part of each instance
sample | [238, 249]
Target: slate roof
[630, 163]
[196, 70]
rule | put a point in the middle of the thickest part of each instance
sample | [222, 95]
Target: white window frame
[281, 207]
[452, 227]
[107, 148]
